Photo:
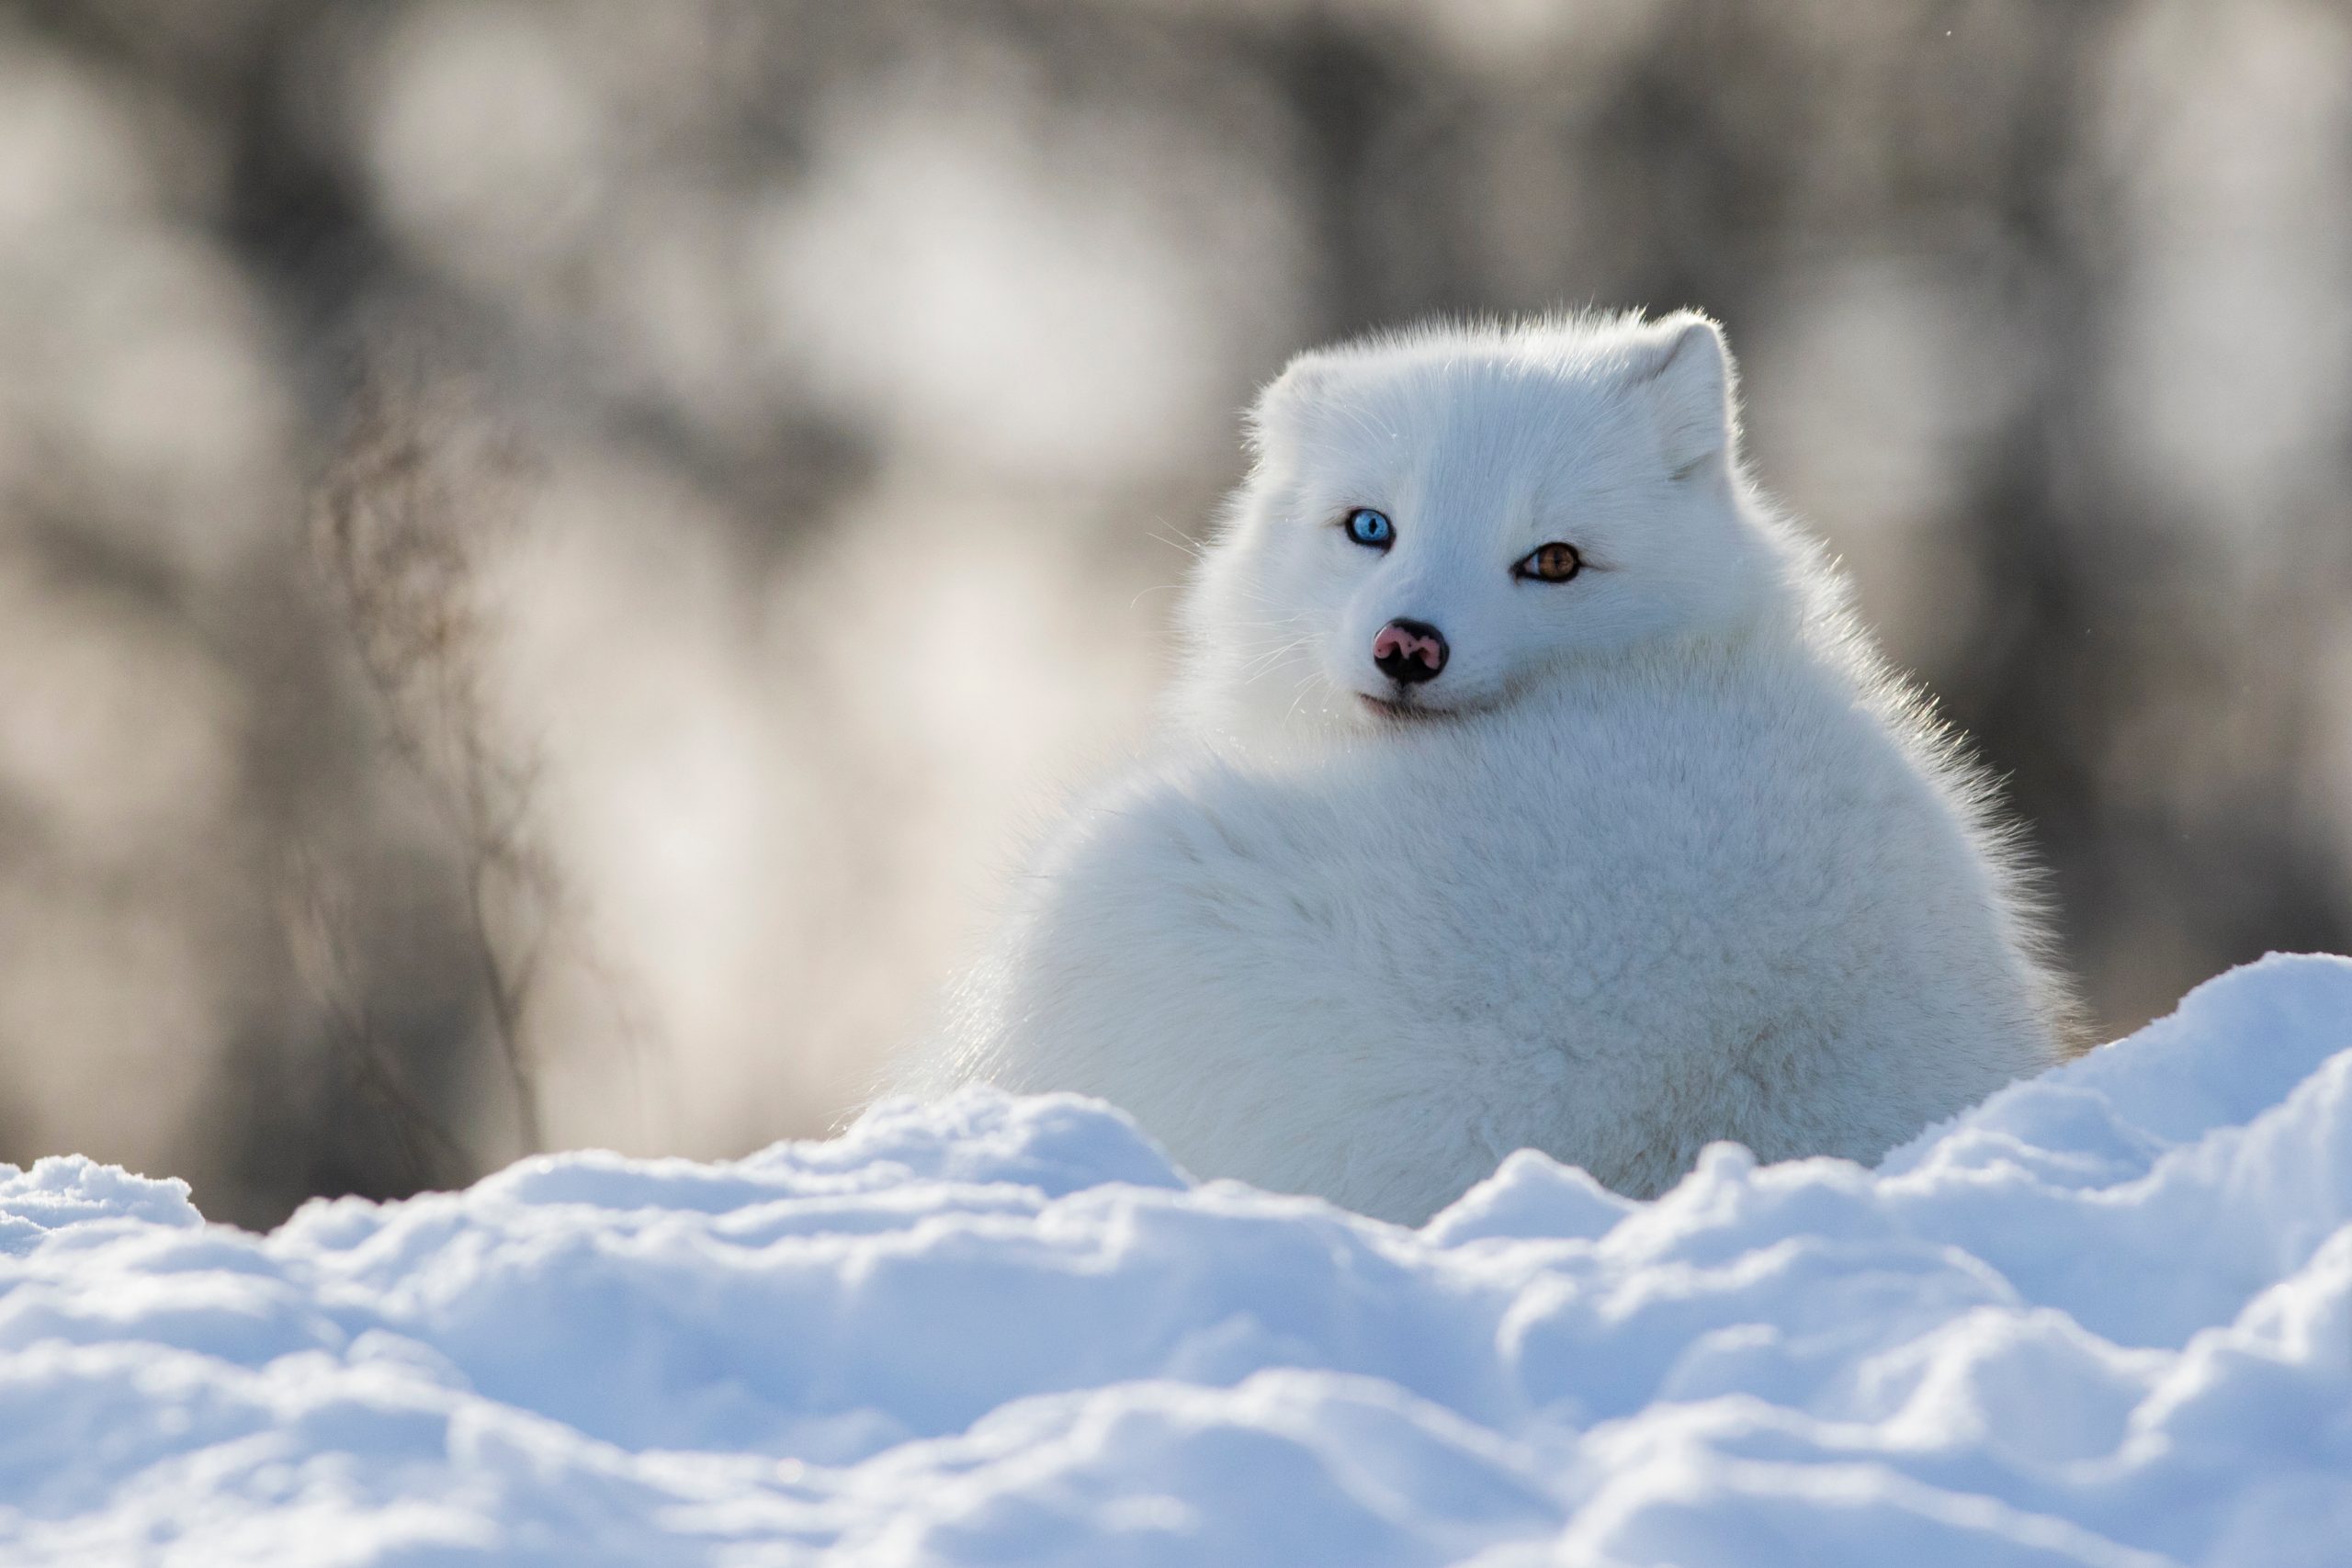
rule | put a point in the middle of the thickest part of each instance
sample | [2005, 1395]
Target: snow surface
[2106, 1318]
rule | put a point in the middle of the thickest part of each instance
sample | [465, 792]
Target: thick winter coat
[1527, 784]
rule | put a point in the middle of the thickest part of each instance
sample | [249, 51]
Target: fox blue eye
[1366, 526]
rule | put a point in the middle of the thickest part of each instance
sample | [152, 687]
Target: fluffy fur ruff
[1663, 855]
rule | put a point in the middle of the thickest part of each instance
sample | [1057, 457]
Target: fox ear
[1680, 366]
[1284, 400]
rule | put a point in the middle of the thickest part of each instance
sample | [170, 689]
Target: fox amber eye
[1554, 562]
[1371, 528]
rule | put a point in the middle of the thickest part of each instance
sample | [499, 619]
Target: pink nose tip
[1406, 651]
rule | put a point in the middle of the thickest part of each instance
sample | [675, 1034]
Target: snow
[2104, 1319]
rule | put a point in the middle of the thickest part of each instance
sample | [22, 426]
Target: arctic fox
[1526, 784]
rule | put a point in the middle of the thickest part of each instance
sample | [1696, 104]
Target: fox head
[1440, 524]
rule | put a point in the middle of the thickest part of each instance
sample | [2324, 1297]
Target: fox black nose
[1409, 651]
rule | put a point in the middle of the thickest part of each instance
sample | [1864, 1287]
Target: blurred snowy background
[818, 398]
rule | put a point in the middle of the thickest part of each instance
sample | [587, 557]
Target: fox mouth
[1410, 711]
[1403, 710]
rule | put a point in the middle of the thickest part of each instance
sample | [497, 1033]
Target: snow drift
[2106, 1318]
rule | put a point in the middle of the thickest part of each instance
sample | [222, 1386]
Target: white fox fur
[1663, 855]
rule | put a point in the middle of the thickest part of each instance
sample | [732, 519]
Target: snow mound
[2104, 1319]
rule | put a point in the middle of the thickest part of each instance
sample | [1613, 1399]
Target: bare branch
[419, 492]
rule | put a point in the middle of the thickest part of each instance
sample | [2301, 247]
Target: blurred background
[548, 552]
